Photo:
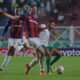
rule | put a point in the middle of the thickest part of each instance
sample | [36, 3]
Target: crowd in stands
[63, 12]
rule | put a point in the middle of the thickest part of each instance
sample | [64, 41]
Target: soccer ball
[59, 69]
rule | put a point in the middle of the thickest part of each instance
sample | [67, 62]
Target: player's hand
[2, 12]
[2, 38]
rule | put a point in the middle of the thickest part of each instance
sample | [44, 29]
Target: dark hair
[51, 21]
[33, 6]
[18, 8]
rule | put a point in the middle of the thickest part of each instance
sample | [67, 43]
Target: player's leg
[48, 56]
[11, 51]
[32, 63]
[42, 54]
[42, 71]
[25, 44]
[5, 62]
[57, 55]
[36, 46]
[8, 57]
[39, 58]
[12, 45]
[35, 60]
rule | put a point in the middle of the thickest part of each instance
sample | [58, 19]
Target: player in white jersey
[49, 51]
[44, 35]
[45, 41]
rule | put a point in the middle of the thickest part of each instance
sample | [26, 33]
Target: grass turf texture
[15, 70]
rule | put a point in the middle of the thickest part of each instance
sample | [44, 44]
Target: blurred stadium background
[65, 13]
[65, 36]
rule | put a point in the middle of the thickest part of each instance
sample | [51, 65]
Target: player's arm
[5, 30]
[9, 16]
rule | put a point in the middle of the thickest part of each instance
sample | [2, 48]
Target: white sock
[33, 62]
[41, 62]
[6, 61]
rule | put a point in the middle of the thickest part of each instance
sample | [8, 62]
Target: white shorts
[34, 42]
[16, 43]
[24, 40]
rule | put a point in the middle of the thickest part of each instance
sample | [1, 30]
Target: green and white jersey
[44, 36]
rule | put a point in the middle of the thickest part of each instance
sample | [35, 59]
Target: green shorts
[48, 47]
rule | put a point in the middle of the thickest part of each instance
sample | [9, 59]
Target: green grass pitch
[15, 70]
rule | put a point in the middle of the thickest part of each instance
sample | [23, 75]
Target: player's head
[51, 24]
[33, 10]
[17, 11]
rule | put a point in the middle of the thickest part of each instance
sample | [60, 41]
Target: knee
[40, 49]
[48, 53]
[11, 51]
[25, 45]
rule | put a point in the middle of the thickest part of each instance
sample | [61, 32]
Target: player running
[31, 29]
[44, 39]
[16, 34]
[49, 51]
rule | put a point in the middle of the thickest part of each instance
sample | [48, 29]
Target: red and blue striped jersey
[16, 30]
[31, 25]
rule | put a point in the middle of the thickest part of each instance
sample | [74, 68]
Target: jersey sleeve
[6, 28]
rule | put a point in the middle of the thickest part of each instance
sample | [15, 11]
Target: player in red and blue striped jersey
[31, 25]
[15, 37]
[32, 32]
[15, 30]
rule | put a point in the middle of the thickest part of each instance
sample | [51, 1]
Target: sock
[6, 61]
[23, 53]
[48, 64]
[33, 62]
[54, 60]
[41, 62]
